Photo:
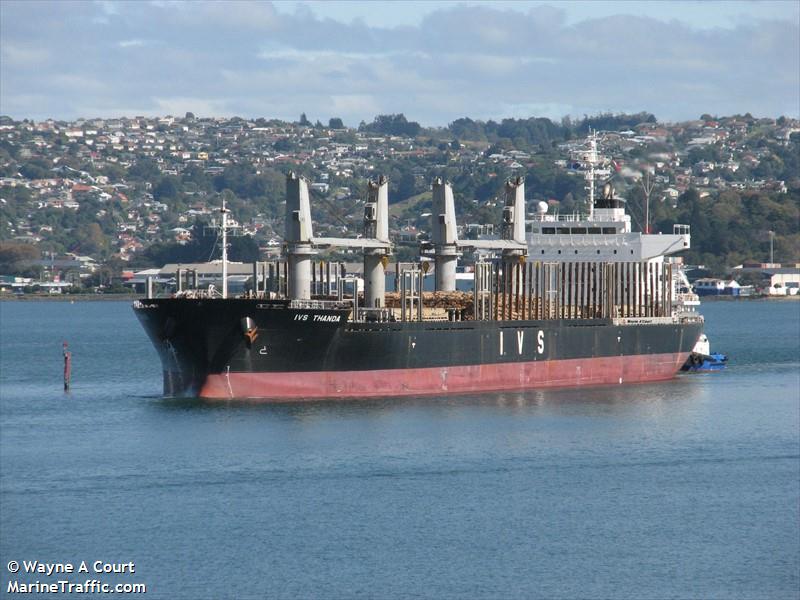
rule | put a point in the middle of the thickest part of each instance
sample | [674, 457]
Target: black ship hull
[267, 349]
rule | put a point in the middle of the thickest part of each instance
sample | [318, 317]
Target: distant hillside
[136, 192]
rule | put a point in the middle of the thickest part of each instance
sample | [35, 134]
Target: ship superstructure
[604, 232]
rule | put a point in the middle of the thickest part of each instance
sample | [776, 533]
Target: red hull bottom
[444, 380]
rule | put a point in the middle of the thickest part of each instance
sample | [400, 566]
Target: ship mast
[593, 160]
[224, 212]
[595, 166]
[590, 174]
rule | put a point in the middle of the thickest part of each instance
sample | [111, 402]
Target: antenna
[590, 175]
[593, 165]
[647, 187]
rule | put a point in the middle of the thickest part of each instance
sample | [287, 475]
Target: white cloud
[550, 110]
[18, 55]
[483, 61]
[134, 43]
[180, 105]
[351, 106]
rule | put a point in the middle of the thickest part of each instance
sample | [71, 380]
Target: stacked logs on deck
[579, 290]
[458, 301]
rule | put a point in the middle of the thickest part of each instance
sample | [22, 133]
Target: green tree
[36, 168]
[145, 169]
[167, 188]
[406, 186]
[15, 255]
[392, 125]
[90, 240]
[114, 172]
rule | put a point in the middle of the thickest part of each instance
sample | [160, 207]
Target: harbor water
[683, 489]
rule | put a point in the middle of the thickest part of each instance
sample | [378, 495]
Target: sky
[432, 61]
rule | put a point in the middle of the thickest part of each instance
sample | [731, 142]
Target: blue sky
[433, 61]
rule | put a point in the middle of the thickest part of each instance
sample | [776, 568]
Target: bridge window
[595, 230]
[548, 229]
[609, 230]
[578, 230]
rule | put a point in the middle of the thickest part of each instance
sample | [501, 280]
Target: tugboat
[702, 359]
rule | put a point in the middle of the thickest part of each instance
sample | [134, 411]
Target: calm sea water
[684, 489]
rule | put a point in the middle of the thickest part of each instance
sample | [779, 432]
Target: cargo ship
[528, 323]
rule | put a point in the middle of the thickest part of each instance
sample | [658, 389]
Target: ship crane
[447, 246]
[301, 244]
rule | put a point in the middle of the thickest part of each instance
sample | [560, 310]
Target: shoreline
[132, 297]
[68, 297]
[745, 298]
